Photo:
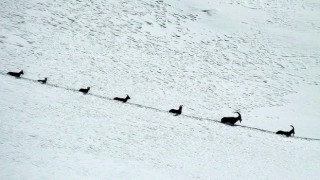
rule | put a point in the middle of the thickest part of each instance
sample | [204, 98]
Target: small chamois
[15, 74]
[124, 100]
[176, 111]
[287, 133]
[84, 91]
[43, 81]
[231, 120]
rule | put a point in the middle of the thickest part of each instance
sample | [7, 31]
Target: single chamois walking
[231, 120]
[43, 81]
[176, 111]
[84, 91]
[124, 100]
[287, 133]
[15, 74]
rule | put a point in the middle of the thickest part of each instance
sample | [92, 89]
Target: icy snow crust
[258, 57]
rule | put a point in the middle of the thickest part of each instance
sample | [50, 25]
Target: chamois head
[239, 116]
[180, 107]
[292, 130]
[21, 72]
[128, 97]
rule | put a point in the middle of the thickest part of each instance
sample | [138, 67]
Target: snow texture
[259, 57]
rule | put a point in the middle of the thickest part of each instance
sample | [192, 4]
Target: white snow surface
[259, 57]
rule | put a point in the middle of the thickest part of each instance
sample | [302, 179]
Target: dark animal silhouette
[84, 91]
[287, 133]
[124, 100]
[231, 120]
[15, 74]
[43, 81]
[176, 111]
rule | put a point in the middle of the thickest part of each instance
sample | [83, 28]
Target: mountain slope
[51, 132]
[257, 57]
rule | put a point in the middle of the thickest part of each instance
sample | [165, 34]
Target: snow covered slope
[258, 57]
[56, 133]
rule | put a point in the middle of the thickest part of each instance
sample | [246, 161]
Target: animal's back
[84, 90]
[279, 132]
[14, 74]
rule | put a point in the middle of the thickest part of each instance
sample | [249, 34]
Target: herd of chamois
[225, 120]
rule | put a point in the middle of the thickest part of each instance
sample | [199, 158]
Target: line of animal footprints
[225, 120]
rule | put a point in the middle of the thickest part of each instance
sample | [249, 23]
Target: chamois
[15, 74]
[287, 133]
[84, 91]
[231, 120]
[176, 111]
[43, 81]
[124, 100]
